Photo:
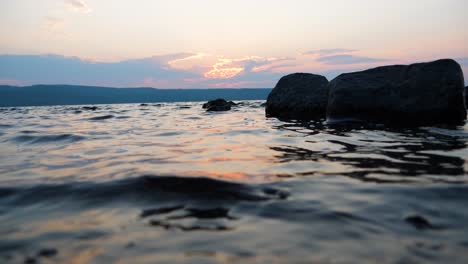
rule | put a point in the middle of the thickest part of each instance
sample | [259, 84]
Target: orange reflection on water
[225, 175]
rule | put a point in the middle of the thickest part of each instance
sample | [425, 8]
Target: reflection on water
[171, 183]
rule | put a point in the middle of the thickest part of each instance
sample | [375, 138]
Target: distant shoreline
[49, 95]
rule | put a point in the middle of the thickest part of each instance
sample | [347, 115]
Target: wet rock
[143, 104]
[466, 97]
[298, 96]
[419, 222]
[417, 94]
[218, 105]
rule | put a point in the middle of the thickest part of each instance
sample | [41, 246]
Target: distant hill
[38, 95]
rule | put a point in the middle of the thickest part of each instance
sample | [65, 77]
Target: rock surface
[466, 97]
[218, 105]
[298, 96]
[417, 94]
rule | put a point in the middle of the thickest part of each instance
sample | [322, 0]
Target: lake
[171, 183]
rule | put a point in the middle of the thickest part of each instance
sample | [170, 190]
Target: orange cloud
[222, 70]
[225, 73]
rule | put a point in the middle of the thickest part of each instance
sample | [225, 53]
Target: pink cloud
[78, 6]
[13, 82]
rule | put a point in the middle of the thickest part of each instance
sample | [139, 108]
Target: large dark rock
[417, 94]
[298, 96]
[466, 97]
[218, 105]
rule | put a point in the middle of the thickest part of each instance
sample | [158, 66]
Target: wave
[144, 188]
[39, 139]
[97, 118]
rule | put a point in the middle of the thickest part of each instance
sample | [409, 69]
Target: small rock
[218, 105]
[143, 104]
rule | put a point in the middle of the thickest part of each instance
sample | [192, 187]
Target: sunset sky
[219, 43]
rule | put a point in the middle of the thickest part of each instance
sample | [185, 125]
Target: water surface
[171, 183]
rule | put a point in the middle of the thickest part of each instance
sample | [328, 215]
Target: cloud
[226, 68]
[176, 70]
[462, 61]
[153, 71]
[326, 52]
[78, 6]
[222, 70]
[346, 59]
[56, 69]
[54, 26]
[11, 82]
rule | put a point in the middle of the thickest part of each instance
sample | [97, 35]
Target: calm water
[170, 183]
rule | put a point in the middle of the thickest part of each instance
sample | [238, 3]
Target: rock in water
[298, 96]
[417, 94]
[218, 105]
[466, 97]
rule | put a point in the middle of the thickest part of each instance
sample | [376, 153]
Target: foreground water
[170, 183]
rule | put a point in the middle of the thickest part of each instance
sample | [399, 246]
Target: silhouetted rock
[466, 97]
[417, 94]
[218, 105]
[298, 96]
[143, 104]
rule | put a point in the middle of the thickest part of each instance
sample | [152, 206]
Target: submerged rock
[218, 105]
[417, 94]
[298, 96]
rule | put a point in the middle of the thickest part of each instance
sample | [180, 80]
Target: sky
[220, 43]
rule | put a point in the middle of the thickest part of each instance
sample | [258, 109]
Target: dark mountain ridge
[39, 95]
